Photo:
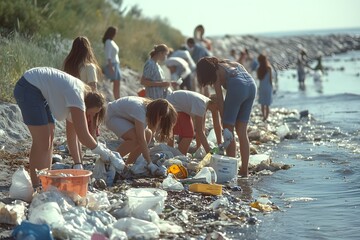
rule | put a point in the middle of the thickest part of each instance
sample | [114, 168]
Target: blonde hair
[158, 49]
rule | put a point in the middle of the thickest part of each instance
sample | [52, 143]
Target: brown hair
[206, 70]
[263, 66]
[161, 109]
[109, 34]
[158, 49]
[96, 99]
[81, 53]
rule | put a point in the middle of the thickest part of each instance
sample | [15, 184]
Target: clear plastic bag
[21, 187]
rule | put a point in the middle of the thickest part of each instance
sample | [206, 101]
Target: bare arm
[80, 128]
[72, 141]
[219, 97]
[270, 72]
[148, 83]
[200, 135]
[140, 135]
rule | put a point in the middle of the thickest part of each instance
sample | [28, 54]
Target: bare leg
[184, 145]
[41, 149]
[116, 89]
[131, 145]
[241, 129]
[263, 112]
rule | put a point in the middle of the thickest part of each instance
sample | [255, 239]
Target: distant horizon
[243, 17]
[349, 30]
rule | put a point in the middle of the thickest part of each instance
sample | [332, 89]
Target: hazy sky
[252, 16]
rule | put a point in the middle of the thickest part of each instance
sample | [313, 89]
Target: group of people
[44, 94]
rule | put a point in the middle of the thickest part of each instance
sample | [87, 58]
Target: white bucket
[226, 168]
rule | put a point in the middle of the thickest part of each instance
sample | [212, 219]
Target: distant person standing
[199, 32]
[301, 64]
[153, 78]
[197, 52]
[264, 74]
[318, 74]
[232, 56]
[112, 67]
[81, 63]
[235, 110]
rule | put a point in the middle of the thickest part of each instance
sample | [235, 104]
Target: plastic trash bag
[28, 231]
[282, 131]
[142, 199]
[135, 228]
[171, 184]
[104, 171]
[97, 201]
[21, 187]
[46, 213]
[52, 195]
[139, 167]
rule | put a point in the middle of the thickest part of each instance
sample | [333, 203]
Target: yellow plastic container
[76, 180]
[210, 189]
[179, 171]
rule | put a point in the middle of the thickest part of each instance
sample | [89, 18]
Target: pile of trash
[197, 195]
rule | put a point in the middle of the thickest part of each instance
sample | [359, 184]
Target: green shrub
[40, 33]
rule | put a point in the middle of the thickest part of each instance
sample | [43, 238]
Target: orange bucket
[75, 181]
[179, 171]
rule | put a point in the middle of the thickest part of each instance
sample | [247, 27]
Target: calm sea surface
[320, 195]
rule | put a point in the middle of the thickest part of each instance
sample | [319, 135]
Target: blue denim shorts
[34, 107]
[116, 76]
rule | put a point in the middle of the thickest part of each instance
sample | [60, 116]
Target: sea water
[319, 196]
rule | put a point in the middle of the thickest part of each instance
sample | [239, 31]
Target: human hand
[103, 151]
[117, 161]
[228, 137]
[152, 168]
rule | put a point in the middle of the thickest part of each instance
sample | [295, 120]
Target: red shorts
[184, 126]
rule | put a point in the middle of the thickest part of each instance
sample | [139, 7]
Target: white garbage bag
[21, 187]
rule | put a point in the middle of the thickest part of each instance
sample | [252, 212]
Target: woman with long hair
[112, 67]
[81, 63]
[235, 109]
[44, 94]
[136, 120]
[264, 74]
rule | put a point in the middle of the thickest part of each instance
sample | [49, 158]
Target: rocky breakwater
[283, 51]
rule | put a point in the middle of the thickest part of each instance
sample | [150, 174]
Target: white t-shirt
[61, 90]
[182, 67]
[130, 108]
[111, 51]
[189, 102]
[88, 73]
[185, 54]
